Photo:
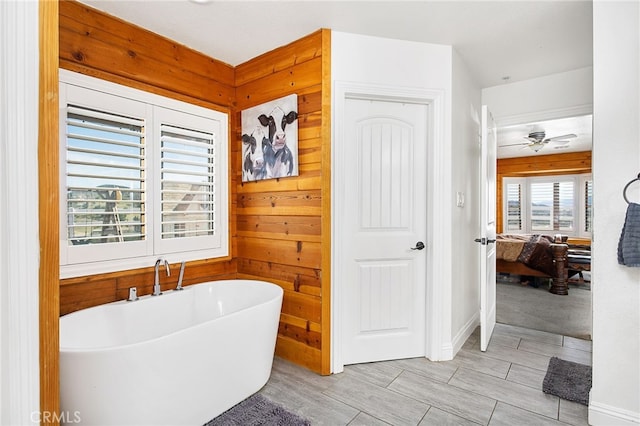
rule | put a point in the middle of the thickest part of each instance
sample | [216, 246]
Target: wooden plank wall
[540, 165]
[100, 45]
[283, 224]
[96, 44]
[48, 173]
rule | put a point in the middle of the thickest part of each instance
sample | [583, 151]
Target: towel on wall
[629, 244]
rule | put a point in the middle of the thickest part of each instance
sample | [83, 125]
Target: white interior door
[488, 229]
[385, 207]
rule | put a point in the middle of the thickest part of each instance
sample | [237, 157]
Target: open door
[487, 229]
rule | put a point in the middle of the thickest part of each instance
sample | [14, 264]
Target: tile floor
[502, 386]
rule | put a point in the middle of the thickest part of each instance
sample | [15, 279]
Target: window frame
[91, 92]
[579, 207]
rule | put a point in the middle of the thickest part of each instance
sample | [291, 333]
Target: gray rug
[258, 411]
[568, 380]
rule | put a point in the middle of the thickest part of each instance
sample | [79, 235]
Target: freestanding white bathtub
[180, 358]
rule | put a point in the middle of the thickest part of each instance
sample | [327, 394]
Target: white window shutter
[142, 175]
[187, 182]
[514, 203]
[104, 177]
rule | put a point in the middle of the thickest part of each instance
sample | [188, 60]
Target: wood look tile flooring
[502, 386]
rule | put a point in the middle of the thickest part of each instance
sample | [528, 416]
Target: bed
[534, 255]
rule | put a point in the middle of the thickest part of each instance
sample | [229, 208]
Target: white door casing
[487, 228]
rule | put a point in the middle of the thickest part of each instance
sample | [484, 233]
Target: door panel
[385, 205]
[385, 293]
[488, 229]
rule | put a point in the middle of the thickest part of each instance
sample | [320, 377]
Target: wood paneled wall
[283, 228]
[280, 229]
[540, 165]
[48, 149]
[97, 44]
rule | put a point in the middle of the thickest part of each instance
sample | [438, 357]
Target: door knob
[485, 241]
[419, 246]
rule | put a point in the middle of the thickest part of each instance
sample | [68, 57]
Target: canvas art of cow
[270, 140]
[253, 156]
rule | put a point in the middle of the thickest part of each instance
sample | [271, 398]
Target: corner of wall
[465, 169]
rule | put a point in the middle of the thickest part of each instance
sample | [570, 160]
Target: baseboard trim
[602, 414]
[464, 333]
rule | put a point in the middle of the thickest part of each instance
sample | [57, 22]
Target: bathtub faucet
[179, 287]
[156, 282]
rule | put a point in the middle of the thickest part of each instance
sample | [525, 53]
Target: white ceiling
[520, 39]
[496, 39]
[580, 126]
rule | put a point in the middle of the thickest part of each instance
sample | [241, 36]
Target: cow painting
[253, 156]
[270, 140]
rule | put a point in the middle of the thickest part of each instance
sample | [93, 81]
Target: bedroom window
[552, 204]
[142, 176]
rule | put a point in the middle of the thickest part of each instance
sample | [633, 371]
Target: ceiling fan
[536, 140]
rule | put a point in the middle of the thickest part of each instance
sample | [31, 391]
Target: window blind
[104, 177]
[548, 204]
[541, 207]
[588, 205]
[187, 182]
[552, 206]
[514, 206]
[564, 206]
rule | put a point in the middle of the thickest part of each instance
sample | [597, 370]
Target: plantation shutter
[105, 170]
[564, 209]
[552, 206]
[588, 206]
[548, 204]
[188, 177]
[514, 206]
[541, 208]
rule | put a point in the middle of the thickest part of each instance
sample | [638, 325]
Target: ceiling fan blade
[514, 144]
[557, 138]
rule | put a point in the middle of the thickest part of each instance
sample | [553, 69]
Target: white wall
[19, 248]
[615, 395]
[389, 62]
[555, 96]
[375, 61]
[466, 111]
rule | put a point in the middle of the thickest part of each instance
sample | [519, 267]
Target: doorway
[562, 160]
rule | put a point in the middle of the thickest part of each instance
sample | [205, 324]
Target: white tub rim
[107, 349]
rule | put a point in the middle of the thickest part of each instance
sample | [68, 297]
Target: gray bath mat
[258, 411]
[568, 380]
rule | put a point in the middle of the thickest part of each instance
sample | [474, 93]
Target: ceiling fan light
[536, 146]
